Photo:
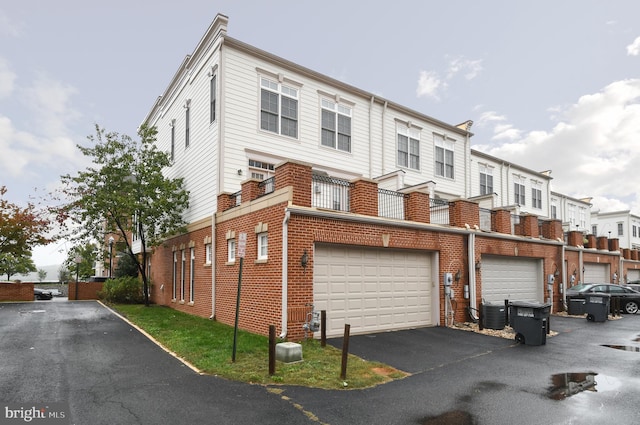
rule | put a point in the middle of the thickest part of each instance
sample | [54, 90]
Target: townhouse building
[337, 199]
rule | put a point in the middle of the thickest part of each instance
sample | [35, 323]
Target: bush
[125, 290]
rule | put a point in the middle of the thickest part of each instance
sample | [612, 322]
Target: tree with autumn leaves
[21, 229]
[123, 195]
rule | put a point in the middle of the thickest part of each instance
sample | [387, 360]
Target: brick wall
[16, 291]
[86, 290]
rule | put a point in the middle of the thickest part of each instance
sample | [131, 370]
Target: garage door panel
[512, 278]
[596, 273]
[372, 289]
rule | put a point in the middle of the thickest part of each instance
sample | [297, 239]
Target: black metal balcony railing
[439, 211]
[236, 199]
[391, 204]
[331, 193]
[266, 186]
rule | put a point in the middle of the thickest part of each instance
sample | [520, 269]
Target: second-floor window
[486, 179]
[278, 108]
[635, 231]
[173, 139]
[408, 147]
[620, 229]
[554, 212]
[536, 197]
[518, 191]
[336, 126]
[444, 157]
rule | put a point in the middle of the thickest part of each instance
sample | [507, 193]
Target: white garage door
[596, 273]
[372, 289]
[511, 278]
[633, 275]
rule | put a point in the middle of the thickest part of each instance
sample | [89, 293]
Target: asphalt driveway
[84, 357]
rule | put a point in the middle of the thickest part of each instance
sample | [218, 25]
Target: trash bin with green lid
[530, 321]
[596, 306]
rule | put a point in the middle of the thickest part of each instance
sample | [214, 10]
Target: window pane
[403, 150]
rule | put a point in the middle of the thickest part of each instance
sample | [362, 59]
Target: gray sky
[550, 85]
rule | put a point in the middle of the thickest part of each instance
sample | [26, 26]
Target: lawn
[208, 345]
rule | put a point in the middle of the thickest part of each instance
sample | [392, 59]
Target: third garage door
[372, 289]
[512, 278]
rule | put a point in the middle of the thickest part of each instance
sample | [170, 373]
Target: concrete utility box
[289, 352]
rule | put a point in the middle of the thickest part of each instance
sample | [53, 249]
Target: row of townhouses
[340, 200]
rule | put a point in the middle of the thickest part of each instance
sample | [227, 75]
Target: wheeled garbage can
[530, 321]
[575, 306]
[596, 306]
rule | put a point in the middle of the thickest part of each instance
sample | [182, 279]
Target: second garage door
[372, 289]
[511, 278]
[596, 273]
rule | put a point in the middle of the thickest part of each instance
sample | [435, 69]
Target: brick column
[592, 242]
[575, 238]
[603, 242]
[501, 221]
[463, 212]
[364, 197]
[225, 201]
[250, 189]
[417, 207]
[634, 254]
[626, 253]
[552, 229]
[614, 244]
[529, 225]
[297, 175]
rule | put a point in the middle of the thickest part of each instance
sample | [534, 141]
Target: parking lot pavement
[459, 377]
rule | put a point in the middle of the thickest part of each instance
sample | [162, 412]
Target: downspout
[213, 266]
[563, 284]
[471, 255]
[285, 266]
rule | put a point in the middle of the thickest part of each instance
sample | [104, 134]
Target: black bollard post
[272, 350]
[345, 352]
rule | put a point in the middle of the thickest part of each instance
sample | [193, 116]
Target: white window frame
[231, 250]
[280, 91]
[263, 245]
[192, 274]
[620, 228]
[408, 147]
[208, 253]
[174, 287]
[536, 195]
[444, 157]
[213, 94]
[339, 129]
[582, 215]
[187, 123]
[519, 191]
[261, 170]
[182, 274]
[486, 179]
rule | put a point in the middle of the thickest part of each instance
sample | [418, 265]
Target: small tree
[126, 266]
[63, 274]
[126, 194]
[87, 255]
[11, 264]
[21, 229]
[42, 275]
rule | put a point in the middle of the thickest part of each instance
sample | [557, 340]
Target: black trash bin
[575, 306]
[597, 307]
[530, 321]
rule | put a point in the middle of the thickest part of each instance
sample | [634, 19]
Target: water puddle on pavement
[455, 417]
[565, 385]
[623, 347]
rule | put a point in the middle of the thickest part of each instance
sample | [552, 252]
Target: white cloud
[50, 100]
[460, 65]
[429, 84]
[9, 27]
[633, 49]
[7, 79]
[592, 151]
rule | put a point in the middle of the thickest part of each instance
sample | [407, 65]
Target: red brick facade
[16, 292]
[287, 213]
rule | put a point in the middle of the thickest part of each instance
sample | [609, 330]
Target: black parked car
[629, 298]
[42, 294]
